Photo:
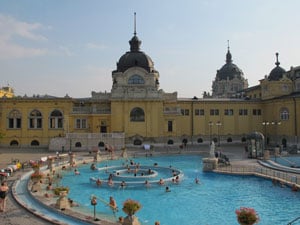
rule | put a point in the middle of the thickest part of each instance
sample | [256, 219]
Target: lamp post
[94, 203]
[277, 149]
[218, 124]
[276, 123]
[265, 124]
[210, 124]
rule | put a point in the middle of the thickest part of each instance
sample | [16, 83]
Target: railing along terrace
[286, 177]
[89, 110]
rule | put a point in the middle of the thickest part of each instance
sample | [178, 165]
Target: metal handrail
[290, 223]
[284, 159]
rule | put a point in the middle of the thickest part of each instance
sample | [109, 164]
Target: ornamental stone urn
[131, 220]
[62, 202]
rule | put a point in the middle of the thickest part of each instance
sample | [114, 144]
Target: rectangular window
[243, 112]
[185, 112]
[81, 123]
[10, 123]
[60, 123]
[31, 123]
[39, 123]
[170, 126]
[199, 112]
[228, 112]
[256, 112]
[214, 112]
[77, 123]
[18, 123]
[52, 122]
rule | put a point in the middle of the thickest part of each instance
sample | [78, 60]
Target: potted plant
[130, 207]
[62, 202]
[35, 166]
[246, 216]
[36, 176]
[61, 190]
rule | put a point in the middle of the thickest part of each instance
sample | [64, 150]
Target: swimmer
[161, 181]
[76, 172]
[113, 203]
[147, 184]
[93, 167]
[197, 181]
[98, 182]
[168, 189]
[123, 184]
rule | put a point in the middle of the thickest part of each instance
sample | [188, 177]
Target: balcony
[90, 110]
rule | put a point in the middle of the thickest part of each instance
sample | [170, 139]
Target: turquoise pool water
[213, 202]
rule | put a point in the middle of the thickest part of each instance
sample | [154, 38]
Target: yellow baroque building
[138, 112]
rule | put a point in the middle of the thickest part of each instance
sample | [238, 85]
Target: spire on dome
[277, 63]
[228, 55]
[134, 24]
[135, 42]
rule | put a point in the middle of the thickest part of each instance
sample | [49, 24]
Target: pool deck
[16, 214]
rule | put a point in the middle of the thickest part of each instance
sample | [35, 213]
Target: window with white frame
[81, 123]
[56, 120]
[228, 112]
[136, 79]
[14, 119]
[284, 114]
[35, 119]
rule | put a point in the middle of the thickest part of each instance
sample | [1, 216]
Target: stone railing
[285, 177]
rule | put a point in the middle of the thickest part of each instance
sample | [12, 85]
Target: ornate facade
[137, 111]
[229, 80]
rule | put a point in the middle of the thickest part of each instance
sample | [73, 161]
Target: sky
[59, 47]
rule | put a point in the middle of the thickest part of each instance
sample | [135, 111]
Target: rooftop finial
[134, 24]
[277, 62]
[228, 55]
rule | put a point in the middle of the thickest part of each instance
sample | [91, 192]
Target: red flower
[246, 216]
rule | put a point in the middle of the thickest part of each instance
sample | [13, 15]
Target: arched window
[35, 119]
[14, 119]
[136, 79]
[170, 142]
[229, 139]
[14, 143]
[137, 142]
[78, 145]
[200, 140]
[244, 139]
[56, 120]
[137, 115]
[284, 114]
[35, 143]
[101, 144]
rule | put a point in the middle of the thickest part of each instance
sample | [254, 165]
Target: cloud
[66, 51]
[12, 30]
[95, 46]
